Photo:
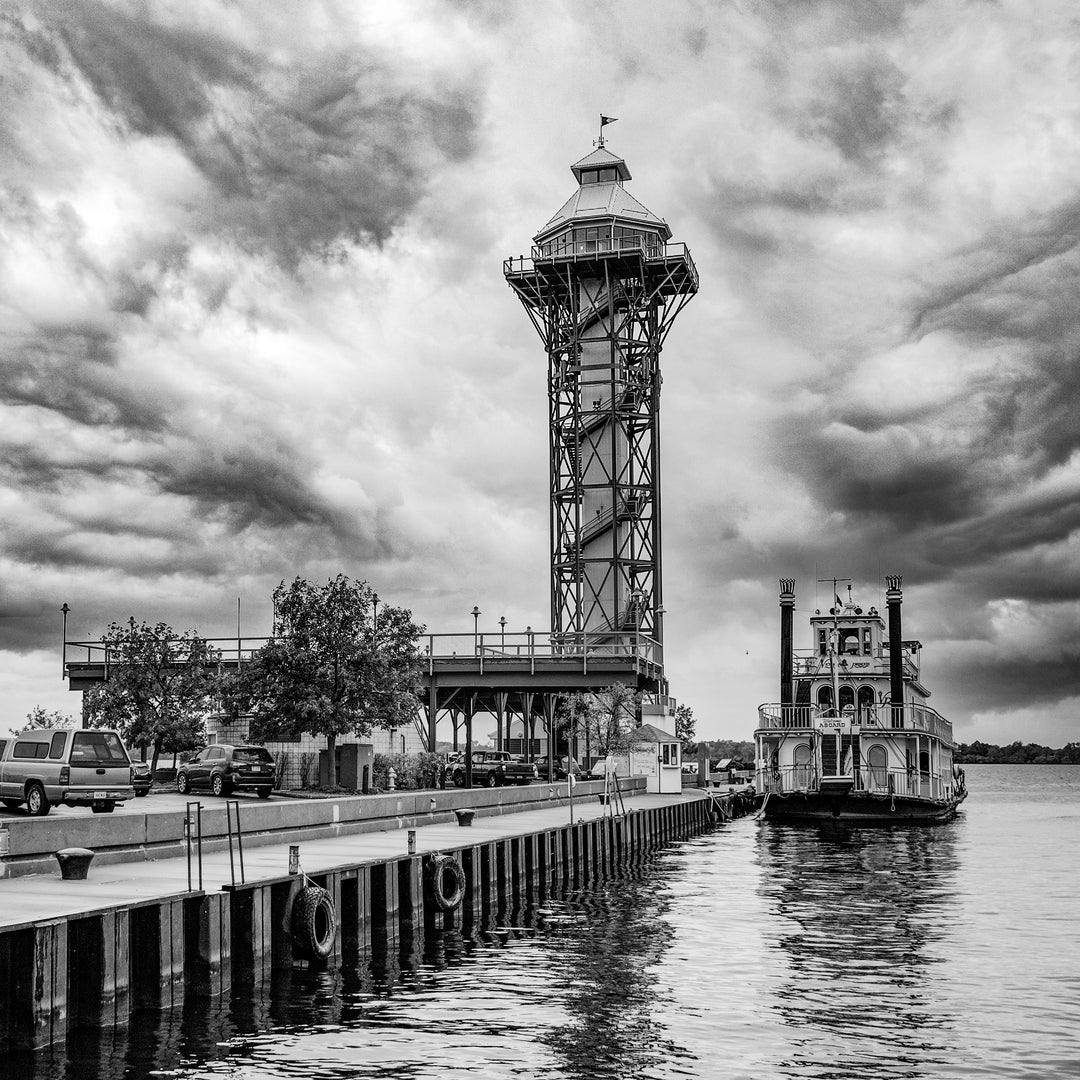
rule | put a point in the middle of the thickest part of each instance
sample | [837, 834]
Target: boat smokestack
[787, 655]
[894, 598]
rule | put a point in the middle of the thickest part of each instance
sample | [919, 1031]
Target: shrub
[413, 772]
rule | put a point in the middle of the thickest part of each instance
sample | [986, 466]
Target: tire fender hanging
[314, 923]
[447, 881]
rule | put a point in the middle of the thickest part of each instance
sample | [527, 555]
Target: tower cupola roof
[602, 197]
[600, 158]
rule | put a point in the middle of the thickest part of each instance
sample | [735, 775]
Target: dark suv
[224, 768]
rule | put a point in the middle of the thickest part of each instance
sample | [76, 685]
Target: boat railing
[786, 716]
[773, 716]
[790, 779]
[807, 662]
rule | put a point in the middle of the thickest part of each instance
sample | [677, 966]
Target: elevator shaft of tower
[603, 285]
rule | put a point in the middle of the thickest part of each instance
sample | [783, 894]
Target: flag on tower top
[607, 119]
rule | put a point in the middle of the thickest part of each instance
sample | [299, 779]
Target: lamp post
[63, 646]
[476, 630]
[374, 613]
[502, 633]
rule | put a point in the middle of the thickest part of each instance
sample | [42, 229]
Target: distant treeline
[1017, 753]
[718, 749]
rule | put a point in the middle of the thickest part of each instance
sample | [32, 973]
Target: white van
[72, 766]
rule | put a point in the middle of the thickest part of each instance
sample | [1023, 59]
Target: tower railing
[589, 249]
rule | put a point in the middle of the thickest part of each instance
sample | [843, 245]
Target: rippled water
[759, 950]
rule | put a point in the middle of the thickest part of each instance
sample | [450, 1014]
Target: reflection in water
[614, 1022]
[862, 912]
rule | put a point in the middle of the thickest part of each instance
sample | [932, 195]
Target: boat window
[802, 754]
[822, 643]
[866, 641]
[824, 697]
[849, 642]
[847, 697]
[924, 762]
[866, 699]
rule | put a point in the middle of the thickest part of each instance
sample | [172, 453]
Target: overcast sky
[254, 322]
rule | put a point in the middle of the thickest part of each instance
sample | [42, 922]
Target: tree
[684, 724]
[608, 718]
[38, 717]
[333, 667]
[159, 688]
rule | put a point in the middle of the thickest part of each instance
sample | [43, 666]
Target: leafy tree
[38, 717]
[684, 724]
[159, 688]
[331, 668]
[608, 718]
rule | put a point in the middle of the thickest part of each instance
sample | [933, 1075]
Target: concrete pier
[86, 954]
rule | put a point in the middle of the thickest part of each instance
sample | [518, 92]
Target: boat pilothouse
[852, 736]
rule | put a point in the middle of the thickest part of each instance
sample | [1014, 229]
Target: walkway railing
[478, 648]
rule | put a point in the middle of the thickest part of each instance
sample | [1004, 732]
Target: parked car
[224, 768]
[493, 768]
[600, 768]
[72, 766]
[564, 766]
[141, 780]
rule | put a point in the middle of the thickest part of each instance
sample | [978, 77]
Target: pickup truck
[80, 767]
[494, 767]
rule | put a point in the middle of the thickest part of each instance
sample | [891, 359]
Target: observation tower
[603, 285]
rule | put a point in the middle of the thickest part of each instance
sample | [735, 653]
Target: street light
[374, 613]
[63, 648]
[502, 633]
[476, 629]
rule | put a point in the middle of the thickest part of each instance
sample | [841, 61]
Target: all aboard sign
[835, 725]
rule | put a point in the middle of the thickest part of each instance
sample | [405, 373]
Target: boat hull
[858, 807]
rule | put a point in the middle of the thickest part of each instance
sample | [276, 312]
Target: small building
[657, 755]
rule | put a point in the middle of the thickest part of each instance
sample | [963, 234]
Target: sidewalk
[40, 897]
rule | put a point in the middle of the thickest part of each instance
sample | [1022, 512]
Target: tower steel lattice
[603, 286]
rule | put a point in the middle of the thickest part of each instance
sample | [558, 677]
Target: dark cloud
[304, 153]
[1002, 683]
[861, 112]
[71, 370]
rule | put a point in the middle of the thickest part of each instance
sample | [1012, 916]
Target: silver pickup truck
[74, 767]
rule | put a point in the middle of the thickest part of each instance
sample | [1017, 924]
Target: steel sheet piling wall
[93, 970]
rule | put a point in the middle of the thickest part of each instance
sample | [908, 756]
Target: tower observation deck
[603, 285]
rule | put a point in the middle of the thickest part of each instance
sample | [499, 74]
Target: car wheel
[459, 779]
[183, 784]
[217, 785]
[141, 792]
[11, 804]
[264, 793]
[37, 802]
[492, 780]
[108, 808]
